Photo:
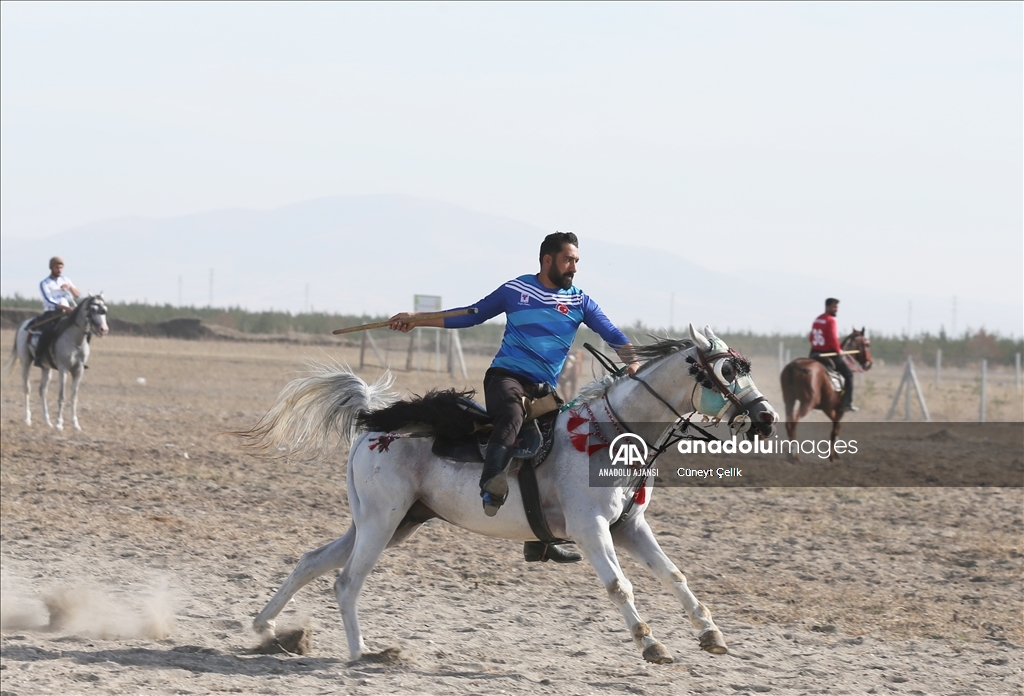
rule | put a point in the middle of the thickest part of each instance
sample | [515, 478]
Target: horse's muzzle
[762, 420]
[764, 426]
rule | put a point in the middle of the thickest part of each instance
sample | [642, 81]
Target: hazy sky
[877, 141]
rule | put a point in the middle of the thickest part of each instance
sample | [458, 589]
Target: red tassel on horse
[640, 497]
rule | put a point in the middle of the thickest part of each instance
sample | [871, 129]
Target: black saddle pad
[533, 441]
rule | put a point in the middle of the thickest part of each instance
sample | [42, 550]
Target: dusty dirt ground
[155, 540]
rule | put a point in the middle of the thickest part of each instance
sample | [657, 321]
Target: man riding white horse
[59, 295]
[543, 313]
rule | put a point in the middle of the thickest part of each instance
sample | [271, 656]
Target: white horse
[392, 489]
[70, 353]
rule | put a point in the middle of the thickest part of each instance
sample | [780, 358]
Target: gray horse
[70, 352]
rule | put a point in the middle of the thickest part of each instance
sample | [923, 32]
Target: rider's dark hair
[831, 301]
[554, 242]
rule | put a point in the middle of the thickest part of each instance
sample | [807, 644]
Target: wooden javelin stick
[47, 321]
[842, 352]
[422, 317]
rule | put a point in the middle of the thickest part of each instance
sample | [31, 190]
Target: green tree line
[956, 350]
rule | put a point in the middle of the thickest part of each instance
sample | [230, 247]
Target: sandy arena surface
[136, 553]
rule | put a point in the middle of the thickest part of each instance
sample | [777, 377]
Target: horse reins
[678, 431]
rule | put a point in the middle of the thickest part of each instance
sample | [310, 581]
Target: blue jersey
[540, 326]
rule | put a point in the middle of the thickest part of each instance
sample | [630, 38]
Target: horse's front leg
[638, 540]
[76, 379]
[596, 544]
[44, 384]
[62, 381]
[832, 438]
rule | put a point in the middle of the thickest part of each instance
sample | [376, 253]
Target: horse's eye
[725, 371]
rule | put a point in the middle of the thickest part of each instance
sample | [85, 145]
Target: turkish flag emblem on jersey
[562, 308]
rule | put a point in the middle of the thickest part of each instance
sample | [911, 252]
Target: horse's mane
[439, 410]
[649, 353]
[78, 308]
[70, 319]
[661, 348]
[854, 335]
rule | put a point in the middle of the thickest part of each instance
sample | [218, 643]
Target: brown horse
[806, 380]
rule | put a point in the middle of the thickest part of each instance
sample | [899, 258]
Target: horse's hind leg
[597, 547]
[26, 370]
[639, 541]
[312, 565]
[374, 535]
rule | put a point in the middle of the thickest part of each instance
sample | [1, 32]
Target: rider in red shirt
[825, 339]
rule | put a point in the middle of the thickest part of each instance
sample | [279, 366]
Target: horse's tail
[14, 350]
[11, 360]
[788, 379]
[310, 410]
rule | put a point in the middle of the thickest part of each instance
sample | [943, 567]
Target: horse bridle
[88, 312]
[866, 343]
[677, 431]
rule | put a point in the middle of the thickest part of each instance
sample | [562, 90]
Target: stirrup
[492, 503]
[534, 551]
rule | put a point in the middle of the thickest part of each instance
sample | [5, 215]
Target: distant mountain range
[371, 254]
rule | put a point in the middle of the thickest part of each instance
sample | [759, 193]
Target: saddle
[47, 325]
[837, 379]
[532, 442]
[834, 377]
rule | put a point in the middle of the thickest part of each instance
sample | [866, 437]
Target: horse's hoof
[658, 654]
[713, 642]
[264, 628]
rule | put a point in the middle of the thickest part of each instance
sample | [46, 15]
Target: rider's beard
[560, 280]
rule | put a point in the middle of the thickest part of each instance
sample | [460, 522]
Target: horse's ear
[709, 333]
[699, 340]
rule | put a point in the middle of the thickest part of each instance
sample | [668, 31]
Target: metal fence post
[984, 376]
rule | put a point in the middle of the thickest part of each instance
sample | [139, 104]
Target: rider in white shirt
[59, 295]
[57, 290]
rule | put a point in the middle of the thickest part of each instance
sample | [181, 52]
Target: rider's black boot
[543, 551]
[494, 480]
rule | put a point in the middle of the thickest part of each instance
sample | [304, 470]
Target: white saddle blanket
[836, 379]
